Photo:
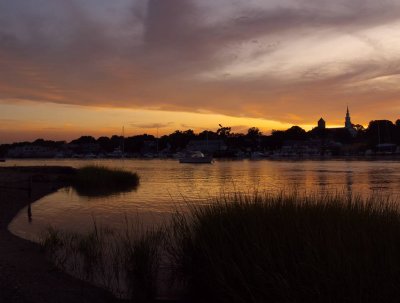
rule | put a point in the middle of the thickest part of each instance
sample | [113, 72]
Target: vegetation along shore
[260, 247]
[249, 248]
[26, 274]
[380, 138]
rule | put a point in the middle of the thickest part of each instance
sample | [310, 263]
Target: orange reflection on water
[167, 185]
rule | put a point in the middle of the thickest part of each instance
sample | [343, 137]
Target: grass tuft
[252, 248]
[126, 263]
[103, 181]
[290, 248]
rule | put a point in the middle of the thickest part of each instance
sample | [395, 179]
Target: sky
[92, 67]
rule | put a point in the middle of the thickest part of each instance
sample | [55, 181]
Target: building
[321, 124]
[32, 151]
[348, 126]
[207, 146]
[347, 123]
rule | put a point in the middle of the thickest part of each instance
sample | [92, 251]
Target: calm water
[167, 185]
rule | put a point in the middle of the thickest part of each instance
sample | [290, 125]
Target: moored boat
[196, 158]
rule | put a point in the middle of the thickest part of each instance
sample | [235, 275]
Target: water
[166, 185]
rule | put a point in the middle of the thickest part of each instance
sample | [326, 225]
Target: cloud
[271, 59]
[152, 125]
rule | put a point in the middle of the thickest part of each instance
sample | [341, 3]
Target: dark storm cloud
[155, 54]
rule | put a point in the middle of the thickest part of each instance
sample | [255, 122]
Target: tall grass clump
[142, 261]
[126, 263]
[289, 248]
[102, 181]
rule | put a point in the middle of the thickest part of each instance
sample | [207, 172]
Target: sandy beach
[26, 274]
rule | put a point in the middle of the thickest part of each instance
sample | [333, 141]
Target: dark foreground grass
[126, 263]
[272, 248]
[103, 181]
[290, 249]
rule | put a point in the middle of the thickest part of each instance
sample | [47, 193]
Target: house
[32, 151]
[207, 146]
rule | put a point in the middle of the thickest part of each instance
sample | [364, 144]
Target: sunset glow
[72, 68]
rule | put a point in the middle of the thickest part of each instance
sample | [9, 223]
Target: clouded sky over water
[91, 66]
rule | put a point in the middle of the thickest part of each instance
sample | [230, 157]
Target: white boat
[258, 155]
[196, 158]
[116, 153]
[90, 156]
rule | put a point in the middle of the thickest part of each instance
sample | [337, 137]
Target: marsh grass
[252, 248]
[95, 180]
[142, 260]
[126, 263]
[290, 248]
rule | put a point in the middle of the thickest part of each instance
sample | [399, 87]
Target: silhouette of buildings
[321, 124]
[207, 146]
[348, 123]
[348, 126]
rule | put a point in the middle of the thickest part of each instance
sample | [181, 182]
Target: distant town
[381, 137]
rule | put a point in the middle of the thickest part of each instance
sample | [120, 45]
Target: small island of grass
[95, 180]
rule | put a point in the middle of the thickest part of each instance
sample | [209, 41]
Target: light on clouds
[256, 63]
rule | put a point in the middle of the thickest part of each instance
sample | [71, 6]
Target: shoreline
[26, 274]
[391, 157]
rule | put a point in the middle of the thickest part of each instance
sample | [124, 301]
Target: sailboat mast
[123, 142]
[157, 142]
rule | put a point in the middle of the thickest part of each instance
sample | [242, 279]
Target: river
[166, 185]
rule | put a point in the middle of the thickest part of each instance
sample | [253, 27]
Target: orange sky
[70, 68]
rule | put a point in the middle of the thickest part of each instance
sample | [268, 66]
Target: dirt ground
[25, 273]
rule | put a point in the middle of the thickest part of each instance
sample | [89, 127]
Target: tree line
[377, 132]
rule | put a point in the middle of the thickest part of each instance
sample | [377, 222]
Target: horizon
[155, 131]
[158, 129]
[153, 66]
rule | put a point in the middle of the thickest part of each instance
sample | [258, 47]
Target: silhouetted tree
[342, 135]
[135, 144]
[397, 135]
[208, 134]
[48, 143]
[4, 149]
[253, 132]
[84, 140]
[105, 144]
[223, 132]
[378, 131]
[178, 140]
[295, 133]
[381, 131]
[276, 139]
[253, 137]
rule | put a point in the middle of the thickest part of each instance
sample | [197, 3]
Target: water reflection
[30, 213]
[104, 191]
[167, 185]
[349, 182]
[381, 179]
[323, 180]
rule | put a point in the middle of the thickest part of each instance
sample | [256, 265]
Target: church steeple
[348, 123]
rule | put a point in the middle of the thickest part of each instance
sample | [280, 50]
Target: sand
[25, 273]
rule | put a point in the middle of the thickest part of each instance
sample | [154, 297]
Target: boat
[196, 158]
[257, 155]
[116, 153]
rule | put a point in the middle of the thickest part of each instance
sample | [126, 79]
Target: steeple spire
[348, 123]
